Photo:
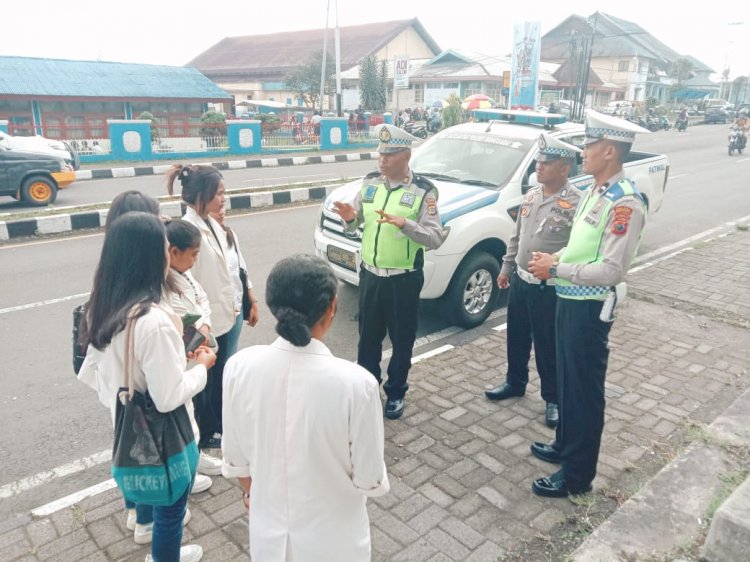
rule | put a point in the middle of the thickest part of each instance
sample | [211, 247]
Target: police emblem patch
[384, 135]
[407, 199]
[369, 195]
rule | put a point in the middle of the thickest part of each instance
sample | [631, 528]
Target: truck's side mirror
[528, 182]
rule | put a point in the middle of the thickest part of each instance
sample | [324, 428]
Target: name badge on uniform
[369, 195]
[407, 199]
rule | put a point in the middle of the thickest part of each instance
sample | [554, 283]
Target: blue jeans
[144, 514]
[208, 402]
[165, 545]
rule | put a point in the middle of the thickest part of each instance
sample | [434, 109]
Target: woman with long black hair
[128, 287]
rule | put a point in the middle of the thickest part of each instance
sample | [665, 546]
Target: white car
[482, 171]
[41, 145]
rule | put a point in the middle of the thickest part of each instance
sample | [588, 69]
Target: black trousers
[388, 305]
[531, 317]
[582, 354]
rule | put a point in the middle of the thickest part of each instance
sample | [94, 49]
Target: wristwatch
[553, 270]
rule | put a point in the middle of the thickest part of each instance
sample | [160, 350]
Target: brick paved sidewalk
[460, 465]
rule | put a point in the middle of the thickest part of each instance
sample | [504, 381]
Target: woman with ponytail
[303, 430]
[203, 192]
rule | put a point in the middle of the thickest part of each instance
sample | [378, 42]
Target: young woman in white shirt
[186, 296]
[303, 430]
[203, 192]
[131, 275]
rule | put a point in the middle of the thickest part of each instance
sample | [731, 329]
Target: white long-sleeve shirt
[160, 364]
[308, 428]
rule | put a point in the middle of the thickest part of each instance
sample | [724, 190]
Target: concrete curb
[127, 172]
[66, 222]
[671, 508]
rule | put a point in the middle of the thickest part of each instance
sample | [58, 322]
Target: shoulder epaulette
[373, 174]
[616, 191]
[425, 184]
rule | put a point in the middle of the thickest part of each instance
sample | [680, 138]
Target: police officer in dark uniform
[401, 222]
[543, 225]
[604, 239]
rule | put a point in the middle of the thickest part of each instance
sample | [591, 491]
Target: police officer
[543, 225]
[401, 221]
[606, 230]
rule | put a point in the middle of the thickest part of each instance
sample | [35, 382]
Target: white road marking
[501, 327]
[42, 303]
[684, 242]
[24, 484]
[431, 353]
[51, 241]
[72, 499]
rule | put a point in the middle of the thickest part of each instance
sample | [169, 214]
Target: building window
[623, 66]
[418, 93]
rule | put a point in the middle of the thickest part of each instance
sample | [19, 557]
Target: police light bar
[515, 116]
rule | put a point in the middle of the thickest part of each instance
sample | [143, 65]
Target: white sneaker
[145, 533]
[188, 553]
[201, 484]
[209, 465]
[131, 520]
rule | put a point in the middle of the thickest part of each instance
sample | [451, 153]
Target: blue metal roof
[55, 77]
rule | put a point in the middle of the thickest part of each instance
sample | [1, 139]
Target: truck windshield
[471, 158]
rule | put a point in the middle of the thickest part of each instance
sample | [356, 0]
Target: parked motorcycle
[681, 124]
[664, 123]
[736, 141]
[418, 131]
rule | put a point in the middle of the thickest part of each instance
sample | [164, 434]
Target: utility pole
[325, 52]
[338, 63]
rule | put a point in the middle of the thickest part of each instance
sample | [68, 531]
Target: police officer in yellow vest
[603, 241]
[401, 221]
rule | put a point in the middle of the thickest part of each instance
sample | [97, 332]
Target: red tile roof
[274, 54]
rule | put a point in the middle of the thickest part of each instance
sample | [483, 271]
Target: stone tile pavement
[460, 465]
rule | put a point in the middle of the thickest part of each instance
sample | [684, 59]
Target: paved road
[98, 191]
[47, 418]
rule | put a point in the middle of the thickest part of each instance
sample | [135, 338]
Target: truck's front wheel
[39, 190]
[473, 291]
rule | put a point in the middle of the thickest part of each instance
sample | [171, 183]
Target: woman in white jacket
[131, 277]
[303, 430]
[203, 191]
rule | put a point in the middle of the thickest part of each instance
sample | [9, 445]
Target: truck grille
[330, 223]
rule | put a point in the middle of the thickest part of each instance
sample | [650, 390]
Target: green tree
[146, 116]
[214, 128]
[304, 80]
[680, 70]
[373, 83]
[452, 114]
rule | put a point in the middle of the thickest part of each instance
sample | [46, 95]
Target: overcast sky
[171, 32]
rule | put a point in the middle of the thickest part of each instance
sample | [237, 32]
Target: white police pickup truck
[482, 171]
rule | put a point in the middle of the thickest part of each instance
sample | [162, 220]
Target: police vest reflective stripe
[383, 245]
[587, 238]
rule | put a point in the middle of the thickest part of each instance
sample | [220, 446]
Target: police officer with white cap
[606, 230]
[543, 225]
[401, 222]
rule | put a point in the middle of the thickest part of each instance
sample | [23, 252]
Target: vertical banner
[524, 78]
[401, 73]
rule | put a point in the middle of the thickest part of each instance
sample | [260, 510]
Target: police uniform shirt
[543, 225]
[427, 230]
[622, 233]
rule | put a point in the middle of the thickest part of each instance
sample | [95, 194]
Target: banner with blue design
[524, 75]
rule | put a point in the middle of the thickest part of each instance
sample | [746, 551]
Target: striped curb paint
[129, 172]
[66, 222]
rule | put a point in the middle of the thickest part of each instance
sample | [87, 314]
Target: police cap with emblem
[551, 149]
[600, 126]
[393, 139]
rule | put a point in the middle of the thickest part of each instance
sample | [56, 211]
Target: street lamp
[725, 72]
